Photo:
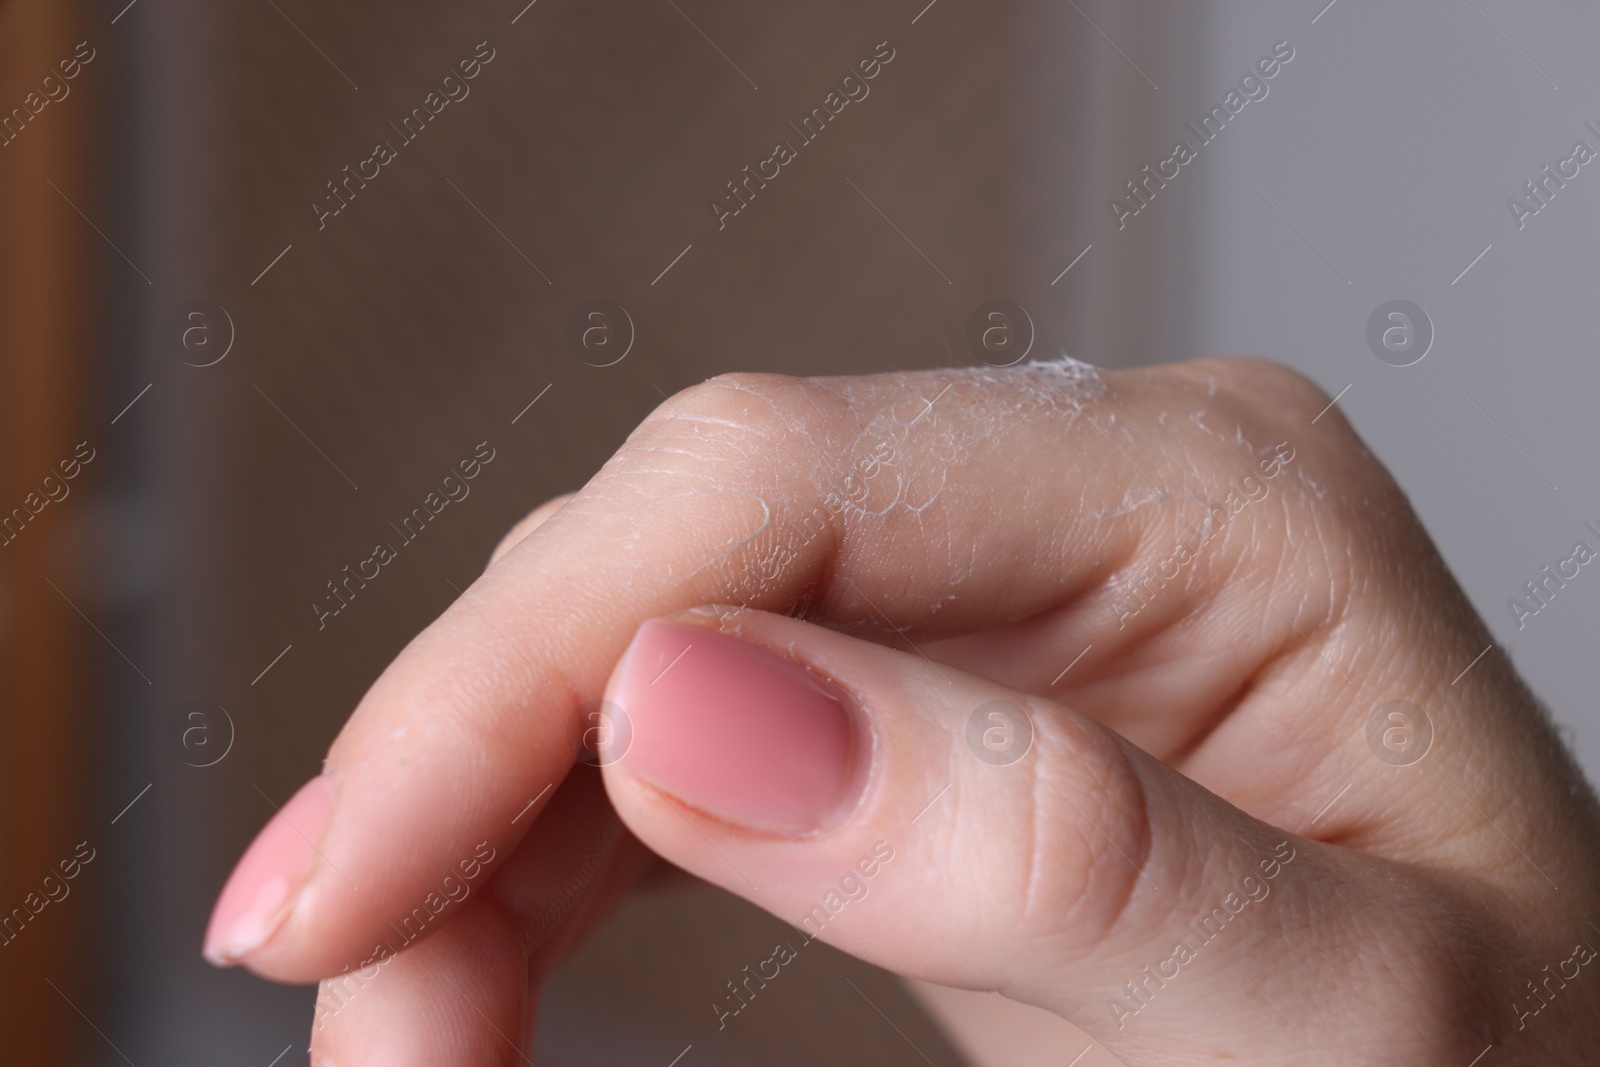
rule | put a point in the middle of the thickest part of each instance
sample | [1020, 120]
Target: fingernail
[261, 890]
[734, 730]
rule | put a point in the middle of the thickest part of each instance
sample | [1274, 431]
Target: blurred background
[235, 345]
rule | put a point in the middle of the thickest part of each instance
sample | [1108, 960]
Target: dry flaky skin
[1247, 590]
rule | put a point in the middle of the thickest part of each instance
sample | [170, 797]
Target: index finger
[894, 500]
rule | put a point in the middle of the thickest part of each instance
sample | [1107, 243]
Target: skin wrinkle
[1266, 620]
[1126, 508]
[698, 420]
[1261, 694]
[1094, 900]
[663, 451]
[1258, 453]
[1338, 594]
[766, 521]
[1031, 877]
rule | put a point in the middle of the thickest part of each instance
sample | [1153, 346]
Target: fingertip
[260, 894]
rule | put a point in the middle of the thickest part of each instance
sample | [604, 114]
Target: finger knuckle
[1266, 387]
[1322, 484]
[731, 428]
[734, 403]
[1090, 836]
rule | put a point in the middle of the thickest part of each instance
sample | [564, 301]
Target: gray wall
[1393, 141]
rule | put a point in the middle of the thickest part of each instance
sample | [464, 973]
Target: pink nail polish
[261, 890]
[734, 730]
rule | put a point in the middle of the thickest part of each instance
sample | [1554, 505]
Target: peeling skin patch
[1062, 387]
[1132, 501]
[1081, 380]
[927, 446]
[1316, 487]
[883, 469]
[1239, 439]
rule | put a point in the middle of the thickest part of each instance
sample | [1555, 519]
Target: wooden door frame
[48, 297]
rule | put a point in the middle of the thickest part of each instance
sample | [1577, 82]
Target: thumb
[948, 828]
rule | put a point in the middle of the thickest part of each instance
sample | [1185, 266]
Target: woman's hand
[1139, 696]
